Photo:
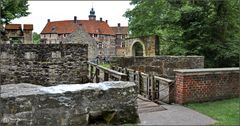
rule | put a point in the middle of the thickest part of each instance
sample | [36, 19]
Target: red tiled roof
[59, 27]
[28, 26]
[68, 26]
[120, 30]
[96, 27]
[13, 26]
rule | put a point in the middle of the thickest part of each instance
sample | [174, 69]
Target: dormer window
[53, 29]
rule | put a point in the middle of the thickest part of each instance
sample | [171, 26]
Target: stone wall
[150, 45]
[81, 37]
[199, 85]
[46, 64]
[68, 105]
[160, 65]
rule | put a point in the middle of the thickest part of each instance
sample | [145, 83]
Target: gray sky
[66, 10]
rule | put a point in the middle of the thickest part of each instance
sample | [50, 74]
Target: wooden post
[91, 72]
[140, 81]
[153, 87]
[157, 85]
[106, 76]
[128, 75]
[97, 75]
[149, 89]
[172, 89]
[123, 78]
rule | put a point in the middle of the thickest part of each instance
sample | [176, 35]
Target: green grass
[106, 65]
[226, 112]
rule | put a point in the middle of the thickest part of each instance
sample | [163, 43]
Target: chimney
[48, 20]
[106, 21]
[119, 24]
[100, 19]
[75, 19]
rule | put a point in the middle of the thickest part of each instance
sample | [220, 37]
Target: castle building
[55, 31]
[120, 34]
[14, 33]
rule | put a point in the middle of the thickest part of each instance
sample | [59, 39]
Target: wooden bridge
[153, 88]
[154, 91]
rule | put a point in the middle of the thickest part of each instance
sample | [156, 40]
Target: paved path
[146, 106]
[153, 114]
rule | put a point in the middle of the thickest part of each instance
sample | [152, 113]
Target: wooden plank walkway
[146, 106]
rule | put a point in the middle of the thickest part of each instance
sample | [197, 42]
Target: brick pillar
[179, 89]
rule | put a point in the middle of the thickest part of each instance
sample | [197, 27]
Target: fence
[154, 88]
[99, 74]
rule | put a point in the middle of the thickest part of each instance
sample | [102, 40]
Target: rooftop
[120, 30]
[68, 26]
[13, 26]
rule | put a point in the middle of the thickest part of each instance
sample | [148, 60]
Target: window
[100, 45]
[123, 44]
[53, 29]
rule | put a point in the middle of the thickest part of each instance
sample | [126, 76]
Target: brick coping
[162, 56]
[230, 69]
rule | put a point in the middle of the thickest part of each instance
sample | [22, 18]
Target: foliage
[11, 9]
[36, 38]
[191, 27]
[226, 112]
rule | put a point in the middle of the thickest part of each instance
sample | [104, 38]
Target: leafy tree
[36, 38]
[11, 9]
[191, 27]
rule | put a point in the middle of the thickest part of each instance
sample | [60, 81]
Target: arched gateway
[142, 46]
[138, 49]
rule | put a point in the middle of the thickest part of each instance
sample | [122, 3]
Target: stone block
[68, 105]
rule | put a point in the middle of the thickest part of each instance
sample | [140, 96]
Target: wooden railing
[99, 74]
[154, 88]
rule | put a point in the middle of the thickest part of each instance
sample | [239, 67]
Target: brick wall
[43, 64]
[160, 65]
[200, 85]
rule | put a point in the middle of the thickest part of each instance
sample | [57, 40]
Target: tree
[36, 38]
[11, 9]
[191, 27]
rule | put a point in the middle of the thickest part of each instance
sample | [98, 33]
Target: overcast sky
[66, 10]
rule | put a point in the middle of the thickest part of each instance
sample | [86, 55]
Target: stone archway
[138, 49]
[148, 44]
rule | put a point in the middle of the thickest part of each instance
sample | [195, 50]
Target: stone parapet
[68, 105]
[160, 65]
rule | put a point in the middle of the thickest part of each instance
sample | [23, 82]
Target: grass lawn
[106, 65]
[226, 112]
